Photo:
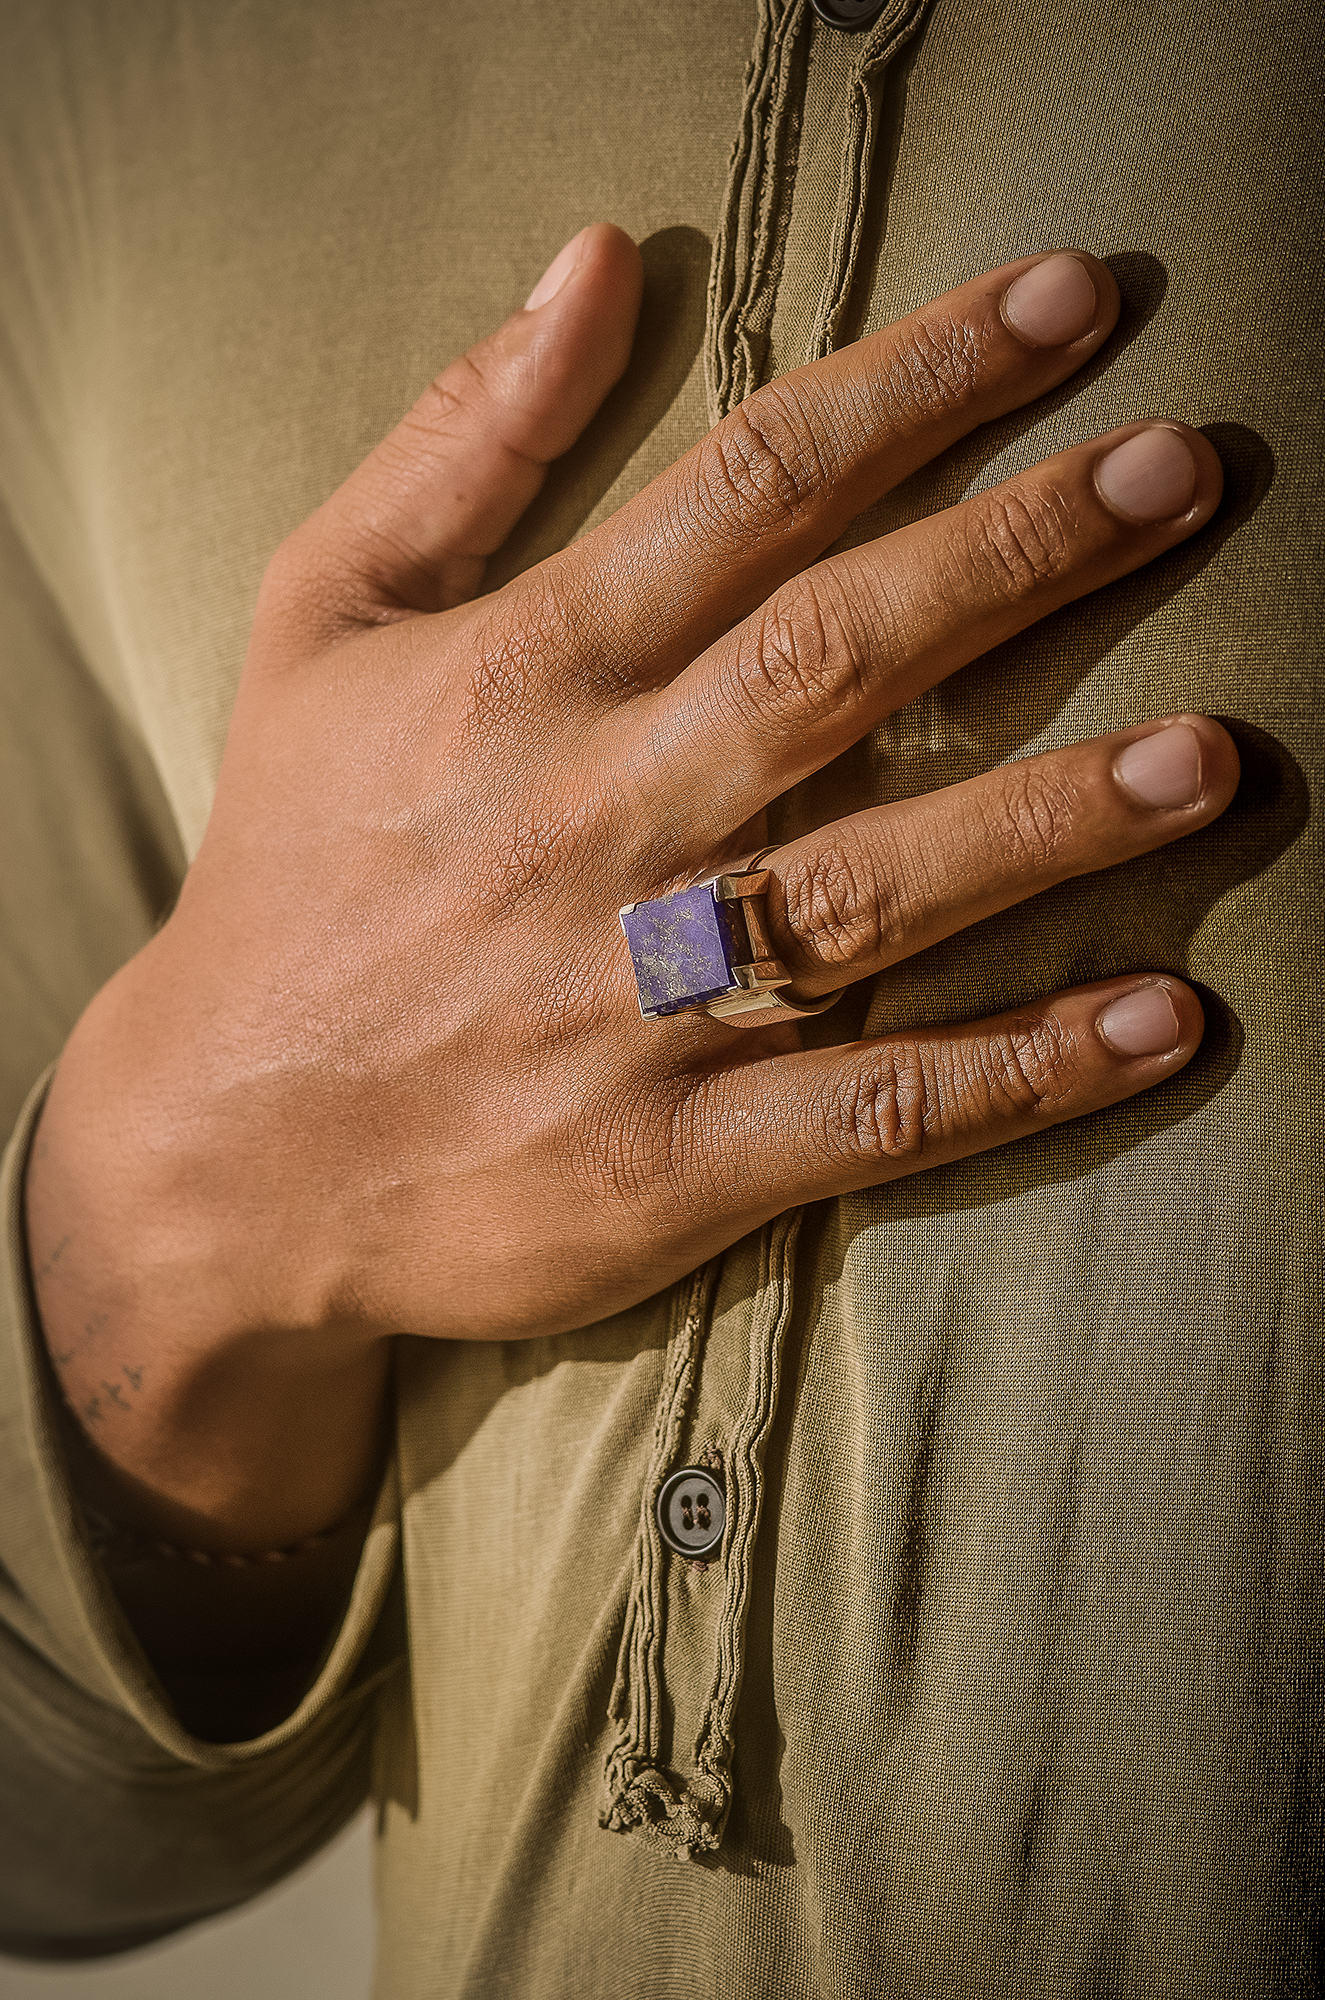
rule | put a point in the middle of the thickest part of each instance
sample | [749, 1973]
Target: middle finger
[776, 482]
[850, 640]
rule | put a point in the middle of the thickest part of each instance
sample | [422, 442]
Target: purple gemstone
[683, 949]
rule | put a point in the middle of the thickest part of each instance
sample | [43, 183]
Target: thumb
[412, 528]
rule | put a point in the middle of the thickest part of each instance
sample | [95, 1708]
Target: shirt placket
[673, 1705]
[789, 241]
[784, 264]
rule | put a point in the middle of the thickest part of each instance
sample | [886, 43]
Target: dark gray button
[692, 1511]
[847, 14]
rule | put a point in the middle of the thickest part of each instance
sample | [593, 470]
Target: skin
[383, 1070]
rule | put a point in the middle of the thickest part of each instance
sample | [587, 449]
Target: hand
[384, 1068]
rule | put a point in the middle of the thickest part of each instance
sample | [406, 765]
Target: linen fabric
[1007, 1680]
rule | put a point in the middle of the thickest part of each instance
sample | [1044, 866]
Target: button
[692, 1511]
[847, 14]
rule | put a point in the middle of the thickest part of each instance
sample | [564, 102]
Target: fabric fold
[752, 230]
[890, 33]
[751, 240]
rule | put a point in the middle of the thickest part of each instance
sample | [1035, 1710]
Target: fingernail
[1052, 303]
[1142, 1023]
[1150, 478]
[1163, 769]
[555, 275]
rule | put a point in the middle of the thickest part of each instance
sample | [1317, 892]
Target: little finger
[801, 1127]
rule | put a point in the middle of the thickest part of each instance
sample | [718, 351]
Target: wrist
[169, 1147]
[224, 1402]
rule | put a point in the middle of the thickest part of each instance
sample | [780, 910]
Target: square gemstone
[683, 948]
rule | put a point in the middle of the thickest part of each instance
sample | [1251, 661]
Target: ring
[708, 947]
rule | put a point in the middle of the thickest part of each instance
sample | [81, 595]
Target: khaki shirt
[1004, 1683]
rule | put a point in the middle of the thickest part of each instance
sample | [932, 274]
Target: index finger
[780, 478]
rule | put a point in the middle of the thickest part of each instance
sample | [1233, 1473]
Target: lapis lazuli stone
[683, 948]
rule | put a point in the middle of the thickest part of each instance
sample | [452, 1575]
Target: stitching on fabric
[636, 1703]
[715, 1744]
[747, 250]
[894, 28]
[687, 1817]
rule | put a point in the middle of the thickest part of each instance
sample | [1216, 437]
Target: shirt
[1006, 1681]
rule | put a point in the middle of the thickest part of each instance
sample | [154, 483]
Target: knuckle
[667, 1148]
[511, 643]
[545, 842]
[938, 367]
[838, 907]
[500, 681]
[570, 998]
[632, 1150]
[914, 1097]
[1006, 1078]
[1032, 1064]
[762, 467]
[877, 1114]
[1017, 541]
[806, 656]
[1035, 818]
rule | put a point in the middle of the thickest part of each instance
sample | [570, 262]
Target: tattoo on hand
[97, 1408]
[44, 1270]
[91, 1328]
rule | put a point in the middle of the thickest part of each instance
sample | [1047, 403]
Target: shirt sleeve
[117, 1825]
